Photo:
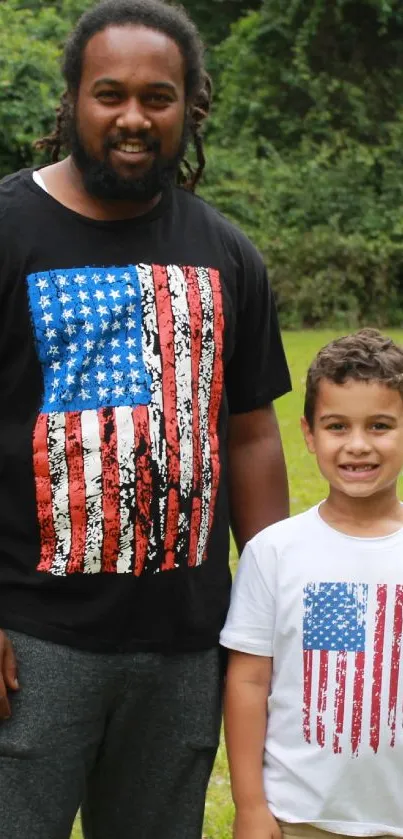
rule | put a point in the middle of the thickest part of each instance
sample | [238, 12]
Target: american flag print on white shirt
[125, 447]
[353, 669]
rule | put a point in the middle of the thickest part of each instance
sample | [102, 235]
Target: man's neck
[378, 515]
[64, 183]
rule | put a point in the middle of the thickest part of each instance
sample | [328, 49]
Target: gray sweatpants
[129, 737]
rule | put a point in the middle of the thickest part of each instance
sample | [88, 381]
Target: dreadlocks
[174, 22]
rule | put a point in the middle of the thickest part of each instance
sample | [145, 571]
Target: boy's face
[357, 437]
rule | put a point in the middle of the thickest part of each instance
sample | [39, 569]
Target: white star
[130, 291]
[72, 347]
[104, 325]
[47, 317]
[115, 359]
[42, 284]
[83, 295]
[133, 375]
[135, 389]
[131, 358]
[126, 276]
[84, 394]
[53, 350]
[69, 379]
[50, 333]
[88, 327]
[99, 360]
[115, 293]
[96, 278]
[61, 280]
[101, 376]
[68, 314]
[71, 362]
[55, 383]
[99, 294]
[117, 310]
[115, 326]
[118, 391]
[44, 301]
[85, 377]
[89, 345]
[115, 343]
[71, 329]
[65, 298]
[117, 376]
[102, 310]
[110, 278]
[80, 279]
[130, 309]
[86, 362]
[131, 324]
[85, 310]
[102, 392]
[101, 343]
[53, 398]
[55, 366]
[131, 342]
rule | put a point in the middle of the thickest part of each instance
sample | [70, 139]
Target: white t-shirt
[329, 609]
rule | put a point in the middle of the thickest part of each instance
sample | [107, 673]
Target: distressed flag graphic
[126, 457]
[352, 652]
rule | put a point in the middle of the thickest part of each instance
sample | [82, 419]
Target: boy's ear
[308, 435]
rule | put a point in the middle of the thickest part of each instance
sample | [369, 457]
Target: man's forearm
[257, 476]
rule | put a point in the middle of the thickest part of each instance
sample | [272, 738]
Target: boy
[313, 709]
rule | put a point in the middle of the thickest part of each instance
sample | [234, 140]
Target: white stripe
[328, 716]
[127, 494]
[183, 380]
[384, 733]
[314, 695]
[152, 362]
[369, 664]
[345, 739]
[59, 479]
[93, 491]
[204, 395]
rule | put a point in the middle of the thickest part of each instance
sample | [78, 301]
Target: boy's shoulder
[287, 532]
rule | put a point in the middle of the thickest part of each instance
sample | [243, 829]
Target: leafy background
[304, 144]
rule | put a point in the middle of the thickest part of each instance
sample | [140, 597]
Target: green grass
[306, 488]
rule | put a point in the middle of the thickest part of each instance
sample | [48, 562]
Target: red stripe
[195, 309]
[110, 488]
[216, 388]
[306, 714]
[358, 692]
[395, 661]
[44, 493]
[167, 349]
[78, 512]
[340, 697]
[142, 447]
[322, 695]
[377, 667]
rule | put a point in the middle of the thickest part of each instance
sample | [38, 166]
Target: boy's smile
[357, 437]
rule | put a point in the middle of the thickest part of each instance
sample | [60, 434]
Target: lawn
[306, 488]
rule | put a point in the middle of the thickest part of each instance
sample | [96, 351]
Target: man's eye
[159, 98]
[107, 94]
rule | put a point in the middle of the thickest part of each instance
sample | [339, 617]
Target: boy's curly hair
[365, 356]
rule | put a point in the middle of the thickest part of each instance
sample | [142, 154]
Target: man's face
[129, 132]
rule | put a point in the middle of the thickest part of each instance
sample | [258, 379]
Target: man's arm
[258, 486]
[245, 719]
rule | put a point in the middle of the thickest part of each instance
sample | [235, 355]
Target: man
[139, 356]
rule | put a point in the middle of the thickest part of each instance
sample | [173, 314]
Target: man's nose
[133, 118]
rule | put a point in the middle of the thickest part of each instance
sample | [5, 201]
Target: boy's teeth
[363, 468]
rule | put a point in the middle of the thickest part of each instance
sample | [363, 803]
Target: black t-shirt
[123, 347]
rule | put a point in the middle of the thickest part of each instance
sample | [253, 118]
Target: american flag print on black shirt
[125, 449]
[353, 669]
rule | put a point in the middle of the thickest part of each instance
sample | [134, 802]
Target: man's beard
[101, 180]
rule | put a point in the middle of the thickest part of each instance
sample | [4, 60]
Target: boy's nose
[358, 443]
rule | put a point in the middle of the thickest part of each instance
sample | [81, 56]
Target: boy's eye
[335, 426]
[380, 426]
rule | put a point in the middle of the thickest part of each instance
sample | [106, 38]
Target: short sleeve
[257, 372]
[250, 623]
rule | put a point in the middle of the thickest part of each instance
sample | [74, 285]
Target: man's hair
[365, 356]
[172, 21]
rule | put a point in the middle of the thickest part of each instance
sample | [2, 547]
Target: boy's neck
[378, 515]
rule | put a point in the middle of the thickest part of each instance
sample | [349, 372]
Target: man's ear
[308, 435]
